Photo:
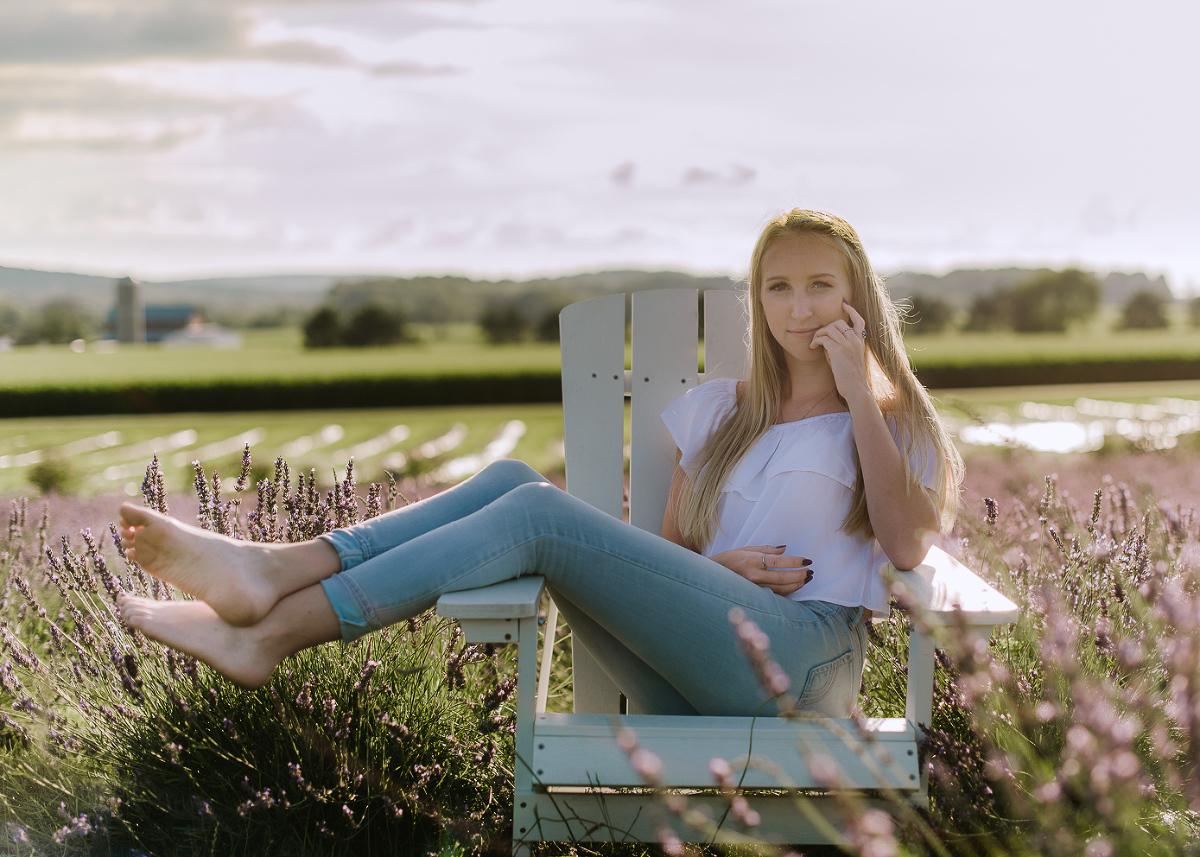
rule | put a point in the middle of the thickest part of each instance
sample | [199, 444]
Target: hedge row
[481, 389]
[1078, 371]
[282, 394]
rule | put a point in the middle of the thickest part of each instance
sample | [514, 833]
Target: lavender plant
[1086, 710]
[1075, 731]
[399, 743]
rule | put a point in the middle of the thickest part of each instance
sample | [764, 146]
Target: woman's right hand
[768, 567]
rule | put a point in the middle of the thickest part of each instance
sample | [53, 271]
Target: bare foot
[194, 628]
[233, 577]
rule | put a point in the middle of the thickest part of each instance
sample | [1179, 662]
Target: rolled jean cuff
[349, 548]
[351, 606]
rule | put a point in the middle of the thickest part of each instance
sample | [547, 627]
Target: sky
[176, 138]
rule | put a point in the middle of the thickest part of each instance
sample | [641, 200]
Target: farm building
[174, 325]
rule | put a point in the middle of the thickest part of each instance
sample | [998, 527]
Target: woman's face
[804, 282]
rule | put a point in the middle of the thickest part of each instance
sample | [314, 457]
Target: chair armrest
[495, 614]
[945, 592]
[512, 599]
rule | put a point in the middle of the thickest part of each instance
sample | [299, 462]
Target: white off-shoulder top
[794, 487]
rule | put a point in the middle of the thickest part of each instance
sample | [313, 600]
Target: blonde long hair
[889, 377]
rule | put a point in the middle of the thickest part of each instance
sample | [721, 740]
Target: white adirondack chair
[569, 764]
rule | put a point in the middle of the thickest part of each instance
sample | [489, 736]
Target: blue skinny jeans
[654, 615]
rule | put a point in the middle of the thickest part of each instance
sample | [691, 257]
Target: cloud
[410, 69]
[735, 176]
[63, 32]
[622, 176]
[50, 107]
[154, 75]
[69, 32]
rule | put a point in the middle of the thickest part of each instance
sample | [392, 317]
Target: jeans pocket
[829, 688]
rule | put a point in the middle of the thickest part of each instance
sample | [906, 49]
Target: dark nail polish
[780, 547]
[808, 578]
[805, 562]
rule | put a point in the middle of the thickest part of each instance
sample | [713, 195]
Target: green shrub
[52, 475]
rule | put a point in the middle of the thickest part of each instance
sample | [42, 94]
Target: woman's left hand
[845, 344]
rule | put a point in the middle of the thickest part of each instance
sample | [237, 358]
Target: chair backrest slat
[593, 381]
[725, 335]
[593, 384]
[664, 368]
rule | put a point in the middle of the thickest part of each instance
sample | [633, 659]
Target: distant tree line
[453, 299]
[506, 311]
[501, 322]
[58, 321]
[1046, 302]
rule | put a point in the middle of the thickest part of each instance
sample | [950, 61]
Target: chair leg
[523, 805]
[918, 707]
[551, 629]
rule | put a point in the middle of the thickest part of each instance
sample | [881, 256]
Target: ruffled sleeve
[697, 414]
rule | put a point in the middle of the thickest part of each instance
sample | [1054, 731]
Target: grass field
[278, 354]
[268, 354]
[108, 454]
[967, 349]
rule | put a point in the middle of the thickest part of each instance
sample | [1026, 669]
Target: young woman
[792, 489]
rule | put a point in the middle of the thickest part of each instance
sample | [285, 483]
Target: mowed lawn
[109, 454]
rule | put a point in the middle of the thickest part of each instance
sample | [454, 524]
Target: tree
[1050, 301]
[375, 325]
[58, 321]
[992, 311]
[10, 320]
[1194, 311]
[547, 326]
[1144, 310]
[928, 314]
[323, 329]
[504, 323]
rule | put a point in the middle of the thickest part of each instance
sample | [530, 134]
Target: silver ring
[764, 560]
